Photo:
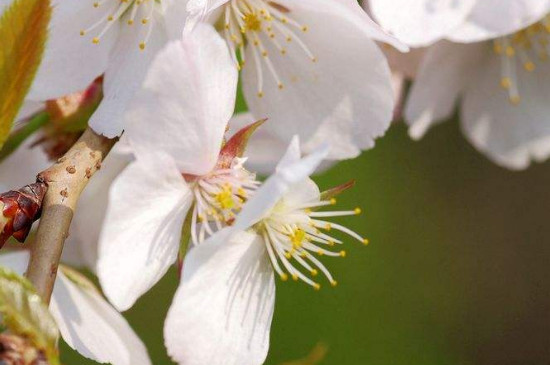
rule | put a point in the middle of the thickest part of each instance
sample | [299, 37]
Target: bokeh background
[456, 272]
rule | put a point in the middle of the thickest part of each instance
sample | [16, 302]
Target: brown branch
[65, 181]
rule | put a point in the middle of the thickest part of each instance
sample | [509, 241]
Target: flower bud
[19, 209]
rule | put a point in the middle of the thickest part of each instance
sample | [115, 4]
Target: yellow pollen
[144, 21]
[96, 5]
[294, 277]
[260, 94]
[110, 18]
[142, 46]
[82, 32]
[333, 283]
[328, 226]
[284, 277]
[297, 237]
[366, 241]
[317, 286]
[225, 198]
[252, 22]
[314, 272]
[332, 201]
[95, 40]
[343, 254]
[357, 211]
[529, 66]
[130, 22]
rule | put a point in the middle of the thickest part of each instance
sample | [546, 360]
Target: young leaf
[25, 314]
[23, 31]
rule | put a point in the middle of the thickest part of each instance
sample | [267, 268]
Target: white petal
[289, 172]
[352, 95]
[301, 193]
[22, 166]
[175, 16]
[82, 244]
[436, 89]
[142, 229]
[187, 101]
[92, 327]
[421, 22]
[16, 261]
[124, 76]
[509, 135]
[222, 310]
[71, 62]
[493, 18]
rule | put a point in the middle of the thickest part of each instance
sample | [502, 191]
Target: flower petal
[21, 167]
[222, 310]
[81, 247]
[142, 228]
[71, 62]
[493, 18]
[436, 89]
[92, 327]
[124, 76]
[16, 261]
[187, 101]
[421, 22]
[337, 91]
[510, 135]
[291, 170]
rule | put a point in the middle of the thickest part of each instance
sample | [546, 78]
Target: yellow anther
[95, 40]
[505, 82]
[332, 201]
[366, 241]
[294, 277]
[288, 39]
[264, 53]
[284, 277]
[510, 51]
[529, 66]
[110, 18]
[314, 272]
[304, 28]
[317, 286]
[225, 198]
[320, 253]
[283, 51]
[331, 243]
[288, 255]
[144, 21]
[260, 94]
[328, 226]
[307, 210]
[82, 32]
[96, 5]
[497, 47]
[297, 237]
[357, 211]
[515, 100]
[142, 46]
[314, 59]
[130, 21]
[252, 22]
[333, 283]
[343, 253]
[280, 85]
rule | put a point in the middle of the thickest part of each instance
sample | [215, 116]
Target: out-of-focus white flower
[312, 67]
[118, 38]
[222, 311]
[494, 60]
[176, 129]
[86, 321]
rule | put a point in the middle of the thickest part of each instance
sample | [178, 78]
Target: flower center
[218, 197]
[294, 236]
[130, 11]
[261, 24]
[526, 47]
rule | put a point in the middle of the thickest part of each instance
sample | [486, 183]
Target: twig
[65, 180]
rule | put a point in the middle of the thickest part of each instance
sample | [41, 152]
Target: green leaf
[23, 31]
[19, 136]
[25, 314]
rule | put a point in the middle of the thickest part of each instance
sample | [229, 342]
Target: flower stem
[66, 180]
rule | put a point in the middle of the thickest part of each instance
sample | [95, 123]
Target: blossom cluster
[182, 187]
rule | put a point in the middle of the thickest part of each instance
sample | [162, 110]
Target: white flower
[118, 38]
[176, 129]
[421, 23]
[222, 310]
[86, 321]
[310, 66]
[498, 72]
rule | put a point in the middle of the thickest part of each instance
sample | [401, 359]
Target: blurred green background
[456, 272]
